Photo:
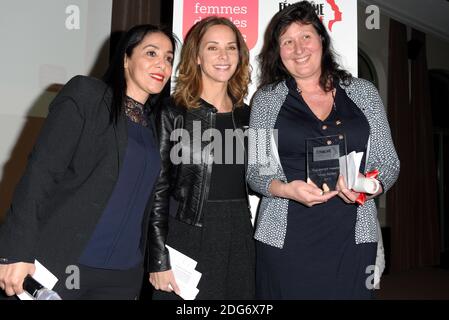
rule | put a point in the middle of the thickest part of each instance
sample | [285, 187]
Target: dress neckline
[135, 111]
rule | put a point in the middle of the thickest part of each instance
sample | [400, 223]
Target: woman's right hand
[306, 193]
[165, 281]
[12, 276]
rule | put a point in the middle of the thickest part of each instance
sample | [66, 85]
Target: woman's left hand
[346, 194]
[350, 196]
[165, 281]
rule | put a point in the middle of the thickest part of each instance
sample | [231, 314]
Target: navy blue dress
[320, 259]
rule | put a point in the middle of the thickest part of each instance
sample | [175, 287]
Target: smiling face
[218, 54]
[149, 67]
[301, 51]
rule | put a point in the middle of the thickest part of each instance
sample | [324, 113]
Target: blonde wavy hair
[189, 85]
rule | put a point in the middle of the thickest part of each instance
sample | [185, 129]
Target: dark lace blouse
[136, 112]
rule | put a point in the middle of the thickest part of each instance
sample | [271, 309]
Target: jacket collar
[209, 107]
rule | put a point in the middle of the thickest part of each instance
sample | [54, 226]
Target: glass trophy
[325, 156]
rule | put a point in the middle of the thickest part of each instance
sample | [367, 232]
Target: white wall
[39, 50]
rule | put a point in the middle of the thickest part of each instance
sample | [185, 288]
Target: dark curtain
[127, 13]
[411, 203]
[427, 237]
[400, 119]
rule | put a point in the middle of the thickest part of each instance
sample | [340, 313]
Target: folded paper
[43, 276]
[354, 180]
[187, 278]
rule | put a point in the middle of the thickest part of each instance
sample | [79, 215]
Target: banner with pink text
[252, 17]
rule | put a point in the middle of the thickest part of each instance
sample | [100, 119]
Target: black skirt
[320, 259]
[224, 249]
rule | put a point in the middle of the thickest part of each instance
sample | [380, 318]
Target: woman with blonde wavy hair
[201, 199]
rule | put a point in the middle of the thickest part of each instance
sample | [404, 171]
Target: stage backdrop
[252, 17]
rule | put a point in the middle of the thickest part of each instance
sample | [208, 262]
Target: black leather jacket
[182, 189]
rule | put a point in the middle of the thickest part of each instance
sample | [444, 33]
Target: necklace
[334, 106]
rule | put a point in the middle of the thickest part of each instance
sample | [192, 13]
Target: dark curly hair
[273, 71]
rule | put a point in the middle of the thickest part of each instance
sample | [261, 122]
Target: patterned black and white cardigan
[264, 164]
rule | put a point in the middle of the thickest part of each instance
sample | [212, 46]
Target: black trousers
[104, 284]
[224, 249]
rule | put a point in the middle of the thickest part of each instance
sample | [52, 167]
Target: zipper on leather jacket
[208, 172]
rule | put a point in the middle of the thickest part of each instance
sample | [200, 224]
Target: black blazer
[70, 176]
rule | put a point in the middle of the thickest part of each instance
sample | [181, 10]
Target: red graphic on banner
[244, 14]
[337, 13]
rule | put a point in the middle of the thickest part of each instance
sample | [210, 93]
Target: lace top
[136, 112]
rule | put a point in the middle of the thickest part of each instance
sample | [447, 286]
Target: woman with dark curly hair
[313, 244]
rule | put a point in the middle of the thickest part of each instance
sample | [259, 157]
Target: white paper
[186, 292]
[187, 278]
[181, 258]
[43, 276]
[367, 185]
[349, 168]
